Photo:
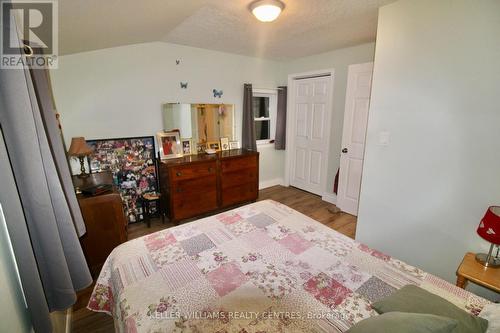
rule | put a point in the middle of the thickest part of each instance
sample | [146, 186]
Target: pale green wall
[119, 92]
[435, 89]
[14, 315]
[339, 60]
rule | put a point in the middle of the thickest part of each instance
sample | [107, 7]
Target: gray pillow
[404, 322]
[413, 299]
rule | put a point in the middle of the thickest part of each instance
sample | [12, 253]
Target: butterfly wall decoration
[177, 61]
[217, 93]
[184, 85]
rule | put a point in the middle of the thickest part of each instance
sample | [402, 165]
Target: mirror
[201, 122]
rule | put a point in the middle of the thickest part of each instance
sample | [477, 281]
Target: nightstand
[104, 220]
[471, 270]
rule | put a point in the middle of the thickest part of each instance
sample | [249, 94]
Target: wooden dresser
[197, 184]
[104, 219]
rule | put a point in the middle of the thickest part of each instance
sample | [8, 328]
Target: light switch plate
[384, 138]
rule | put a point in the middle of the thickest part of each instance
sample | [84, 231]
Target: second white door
[310, 128]
[359, 81]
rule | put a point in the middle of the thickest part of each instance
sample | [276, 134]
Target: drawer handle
[179, 173]
[210, 169]
[179, 190]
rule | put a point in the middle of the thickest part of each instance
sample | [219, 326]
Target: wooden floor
[308, 204]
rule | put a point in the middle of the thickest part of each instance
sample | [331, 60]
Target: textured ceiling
[304, 28]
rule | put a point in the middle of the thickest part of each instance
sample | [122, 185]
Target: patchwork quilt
[260, 268]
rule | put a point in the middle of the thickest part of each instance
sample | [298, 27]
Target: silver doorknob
[344, 150]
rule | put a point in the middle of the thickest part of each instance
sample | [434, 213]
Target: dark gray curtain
[41, 172]
[21, 243]
[280, 138]
[248, 126]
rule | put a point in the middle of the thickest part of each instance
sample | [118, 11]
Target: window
[264, 113]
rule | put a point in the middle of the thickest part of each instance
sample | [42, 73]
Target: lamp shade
[79, 147]
[489, 228]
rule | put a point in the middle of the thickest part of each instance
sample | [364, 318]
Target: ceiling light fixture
[266, 10]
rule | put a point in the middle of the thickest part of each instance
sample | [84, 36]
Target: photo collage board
[132, 162]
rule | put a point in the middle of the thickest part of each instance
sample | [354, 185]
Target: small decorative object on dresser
[234, 145]
[489, 229]
[81, 150]
[199, 184]
[187, 146]
[170, 144]
[224, 143]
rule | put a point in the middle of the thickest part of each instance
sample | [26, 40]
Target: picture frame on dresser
[214, 145]
[234, 145]
[224, 143]
[187, 146]
[169, 144]
[201, 147]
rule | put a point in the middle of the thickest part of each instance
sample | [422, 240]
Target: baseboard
[329, 197]
[270, 182]
[61, 321]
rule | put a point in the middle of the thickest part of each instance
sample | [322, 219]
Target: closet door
[310, 132]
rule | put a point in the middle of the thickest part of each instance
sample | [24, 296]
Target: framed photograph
[234, 145]
[95, 166]
[224, 143]
[132, 162]
[187, 146]
[213, 145]
[170, 144]
[200, 147]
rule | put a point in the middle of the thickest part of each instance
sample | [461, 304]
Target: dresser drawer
[194, 170]
[238, 194]
[240, 177]
[194, 185]
[189, 205]
[234, 164]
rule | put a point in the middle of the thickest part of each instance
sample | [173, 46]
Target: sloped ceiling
[304, 28]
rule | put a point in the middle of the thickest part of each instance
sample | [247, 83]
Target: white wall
[119, 92]
[435, 89]
[338, 60]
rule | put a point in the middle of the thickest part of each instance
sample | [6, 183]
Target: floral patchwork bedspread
[260, 268]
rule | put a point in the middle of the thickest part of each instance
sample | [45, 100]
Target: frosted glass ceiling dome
[266, 10]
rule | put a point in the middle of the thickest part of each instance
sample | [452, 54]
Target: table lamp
[80, 149]
[489, 229]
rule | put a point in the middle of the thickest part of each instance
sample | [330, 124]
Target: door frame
[290, 121]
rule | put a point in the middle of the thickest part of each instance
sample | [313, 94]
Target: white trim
[272, 94]
[329, 197]
[265, 91]
[264, 144]
[271, 182]
[69, 320]
[290, 121]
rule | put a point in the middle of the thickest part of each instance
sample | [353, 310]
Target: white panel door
[359, 80]
[312, 102]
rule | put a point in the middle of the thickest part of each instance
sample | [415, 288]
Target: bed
[263, 267]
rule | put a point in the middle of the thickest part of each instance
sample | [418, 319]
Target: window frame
[272, 94]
